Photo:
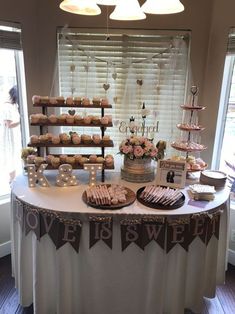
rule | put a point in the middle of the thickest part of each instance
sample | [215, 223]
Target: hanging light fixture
[127, 11]
[83, 7]
[162, 6]
[107, 2]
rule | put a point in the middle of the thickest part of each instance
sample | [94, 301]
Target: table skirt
[101, 280]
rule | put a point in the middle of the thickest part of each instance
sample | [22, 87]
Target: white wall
[4, 229]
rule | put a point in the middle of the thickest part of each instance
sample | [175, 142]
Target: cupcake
[63, 158]
[43, 138]
[62, 118]
[78, 119]
[36, 99]
[87, 139]
[60, 100]
[77, 101]
[49, 137]
[104, 121]
[49, 158]
[55, 139]
[93, 158]
[69, 101]
[109, 161]
[65, 138]
[96, 101]
[100, 160]
[70, 119]
[43, 118]
[52, 118]
[84, 160]
[87, 120]
[200, 162]
[104, 102]
[109, 117]
[83, 136]
[96, 120]
[77, 158]
[76, 139]
[55, 162]
[106, 138]
[188, 166]
[52, 101]
[96, 138]
[195, 167]
[34, 139]
[85, 101]
[70, 160]
[34, 118]
[38, 161]
[44, 99]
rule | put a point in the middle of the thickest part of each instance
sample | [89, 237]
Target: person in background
[11, 133]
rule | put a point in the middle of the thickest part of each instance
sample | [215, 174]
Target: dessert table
[99, 265]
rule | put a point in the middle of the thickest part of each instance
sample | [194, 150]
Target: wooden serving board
[130, 198]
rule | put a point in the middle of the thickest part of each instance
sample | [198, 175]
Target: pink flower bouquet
[138, 147]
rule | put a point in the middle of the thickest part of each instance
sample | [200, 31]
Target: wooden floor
[223, 303]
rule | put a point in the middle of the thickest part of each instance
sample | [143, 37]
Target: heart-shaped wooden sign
[139, 82]
[72, 112]
[114, 76]
[106, 86]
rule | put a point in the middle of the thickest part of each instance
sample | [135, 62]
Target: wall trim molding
[5, 249]
[231, 257]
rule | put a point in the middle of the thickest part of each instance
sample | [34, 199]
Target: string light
[92, 168]
[65, 176]
[37, 176]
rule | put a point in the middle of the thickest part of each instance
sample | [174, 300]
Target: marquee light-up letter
[65, 176]
[37, 176]
[92, 168]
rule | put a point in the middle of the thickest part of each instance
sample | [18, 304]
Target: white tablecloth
[104, 281]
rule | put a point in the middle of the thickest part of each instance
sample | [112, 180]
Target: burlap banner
[153, 229]
[61, 230]
[178, 232]
[198, 227]
[101, 228]
[213, 224]
[166, 232]
[131, 232]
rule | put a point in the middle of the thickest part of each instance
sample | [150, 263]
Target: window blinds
[231, 42]
[10, 38]
[129, 69]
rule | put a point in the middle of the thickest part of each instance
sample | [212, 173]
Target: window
[11, 73]
[224, 153]
[129, 69]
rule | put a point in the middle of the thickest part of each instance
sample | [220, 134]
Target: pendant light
[107, 2]
[127, 10]
[162, 6]
[83, 7]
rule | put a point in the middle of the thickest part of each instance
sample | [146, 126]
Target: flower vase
[137, 169]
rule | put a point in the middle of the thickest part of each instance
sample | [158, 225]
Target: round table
[117, 272]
